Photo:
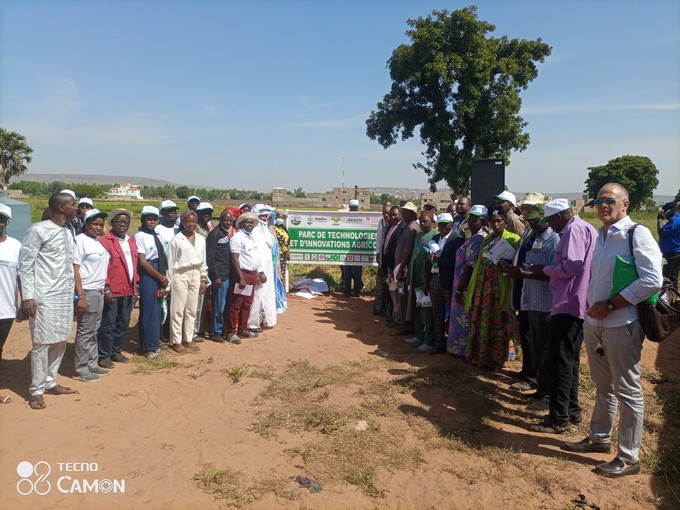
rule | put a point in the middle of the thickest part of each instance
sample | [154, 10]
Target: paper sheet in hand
[246, 291]
[502, 250]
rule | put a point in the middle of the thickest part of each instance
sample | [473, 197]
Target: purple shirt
[570, 271]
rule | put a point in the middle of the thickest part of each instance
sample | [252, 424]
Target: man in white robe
[47, 287]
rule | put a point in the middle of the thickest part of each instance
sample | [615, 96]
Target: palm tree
[15, 154]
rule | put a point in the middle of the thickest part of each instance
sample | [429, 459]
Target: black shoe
[218, 338]
[617, 467]
[587, 446]
[548, 427]
[576, 420]
[118, 358]
[106, 363]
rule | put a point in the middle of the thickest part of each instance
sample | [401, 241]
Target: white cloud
[597, 107]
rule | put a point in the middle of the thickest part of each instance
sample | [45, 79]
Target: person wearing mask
[263, 309]
[188, 275]
[90, 264]
[246, 273]
[47, 285]
[10, 250]
[153, 282]
[218, 259]
[121, 280]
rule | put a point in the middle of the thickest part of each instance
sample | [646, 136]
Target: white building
[126, 191]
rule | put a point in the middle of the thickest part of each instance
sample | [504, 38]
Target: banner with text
[333, 237]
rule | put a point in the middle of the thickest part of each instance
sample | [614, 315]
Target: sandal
[60, 390]
[5, 399]
[178, 348]
[37, 402]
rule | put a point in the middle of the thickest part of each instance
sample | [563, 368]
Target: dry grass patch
[230, 485]
[355, 457]
[149, 366]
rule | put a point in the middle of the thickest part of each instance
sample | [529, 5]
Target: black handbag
[663, 319]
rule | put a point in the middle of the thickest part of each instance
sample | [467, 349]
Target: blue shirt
[647, 258]
[536, 296]
[669, 236]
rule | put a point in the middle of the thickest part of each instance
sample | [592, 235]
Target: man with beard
[47, 285]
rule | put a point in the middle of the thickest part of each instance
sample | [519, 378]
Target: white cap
[168, 204]
[354, 203]
[87, 201]
[6, 211]
[260, 209]
[69, 192]
[555, 206]
[445, 218]
[204, 206]
[149, 209]
[506, 195]
[479, 210]
[193, 197]
[94, 213]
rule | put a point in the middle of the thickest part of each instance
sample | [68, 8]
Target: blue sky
[257, 94]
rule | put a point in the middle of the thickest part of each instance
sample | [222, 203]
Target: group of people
[530, 276]
[193, 280]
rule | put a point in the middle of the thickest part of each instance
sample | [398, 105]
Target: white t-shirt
[93, 260]
[166, 234]
[248, 254]
[127, 252]
[10, 249]
[146, 245]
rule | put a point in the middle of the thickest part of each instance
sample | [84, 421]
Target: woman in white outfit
[263, 309]
[90, 265]
[188, 275]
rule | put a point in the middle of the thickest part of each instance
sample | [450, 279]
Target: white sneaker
[413, 340]
[425, 348]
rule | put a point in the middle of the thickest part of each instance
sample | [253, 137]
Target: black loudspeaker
[487, 180]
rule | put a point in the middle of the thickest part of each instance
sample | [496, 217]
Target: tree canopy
[637, 173]
[15, 154]
[461, 87]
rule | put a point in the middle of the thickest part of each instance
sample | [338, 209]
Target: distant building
[337, 198]
[126, 191]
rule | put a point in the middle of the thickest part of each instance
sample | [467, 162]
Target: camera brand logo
[33, 478]
[73, 478]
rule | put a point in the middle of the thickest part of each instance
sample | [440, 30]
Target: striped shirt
[536, 296]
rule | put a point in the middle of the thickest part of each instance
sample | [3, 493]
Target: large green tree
[15, 154]
[637, 173]
[461, 87]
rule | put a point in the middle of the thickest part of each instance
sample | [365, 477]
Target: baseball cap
[168, 204]
[507, 196]
[149, 209]
[478, 210]
[6, 211]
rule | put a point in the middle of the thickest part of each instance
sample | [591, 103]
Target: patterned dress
[491, 328]
[459, 321]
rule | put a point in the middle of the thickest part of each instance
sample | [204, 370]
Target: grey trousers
[617, 380]
[45, 362]
[397, 314]
[86, 348]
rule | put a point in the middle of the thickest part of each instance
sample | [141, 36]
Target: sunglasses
[600, 201]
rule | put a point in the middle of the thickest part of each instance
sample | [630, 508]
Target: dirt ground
[232, 426]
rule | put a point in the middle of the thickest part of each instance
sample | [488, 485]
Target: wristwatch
[610, 305]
